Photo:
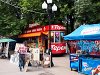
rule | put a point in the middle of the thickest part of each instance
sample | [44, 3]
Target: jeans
[21, 61]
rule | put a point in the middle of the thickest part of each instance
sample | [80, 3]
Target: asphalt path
[61, 67]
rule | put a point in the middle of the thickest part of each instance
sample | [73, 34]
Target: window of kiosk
[33, 42]
[61, 36]
[36, 41]
[57, 36]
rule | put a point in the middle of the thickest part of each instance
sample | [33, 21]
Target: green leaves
[16, 14]
[9, 23]
[86, 11]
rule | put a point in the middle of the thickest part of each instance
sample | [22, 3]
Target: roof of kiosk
[85, 32]
[38, 30]
[6, 40]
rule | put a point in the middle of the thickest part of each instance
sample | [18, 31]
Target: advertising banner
[58, 48]
[88, 65]
[36, 54]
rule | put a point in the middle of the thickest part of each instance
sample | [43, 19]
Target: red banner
[44, 28]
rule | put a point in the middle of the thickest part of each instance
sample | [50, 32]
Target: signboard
[33, 24]
[45, 28]
[58, 48]
[57, 27]
[36, 53]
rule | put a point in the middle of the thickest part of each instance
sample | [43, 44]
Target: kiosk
[39, 34]
[88, 41]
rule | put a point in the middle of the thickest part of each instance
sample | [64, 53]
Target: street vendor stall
[87, 39]
[4, 46]
[40, 36]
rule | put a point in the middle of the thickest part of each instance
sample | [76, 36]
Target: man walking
[22, 51]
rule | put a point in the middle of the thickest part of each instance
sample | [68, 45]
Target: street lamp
[48, 6]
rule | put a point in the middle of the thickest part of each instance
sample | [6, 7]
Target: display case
[87, 63]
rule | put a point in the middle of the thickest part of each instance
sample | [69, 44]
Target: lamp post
[48, 6]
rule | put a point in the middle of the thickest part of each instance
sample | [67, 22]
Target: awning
[6, 40]
[30, 35]
[85, 32]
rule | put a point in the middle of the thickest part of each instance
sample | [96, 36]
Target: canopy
[85, 32]
[6, 40]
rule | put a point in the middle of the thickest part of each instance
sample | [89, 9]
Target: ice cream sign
[88, 31]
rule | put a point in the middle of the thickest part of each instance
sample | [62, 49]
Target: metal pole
[49, 12]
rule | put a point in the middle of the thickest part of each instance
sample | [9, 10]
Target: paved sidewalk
[61, 68]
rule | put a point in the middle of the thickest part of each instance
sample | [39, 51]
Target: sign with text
[87, 66]
[58, 48]
[44, 28]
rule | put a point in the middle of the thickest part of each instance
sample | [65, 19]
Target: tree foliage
[9, 23]
[15, 15]
[87, 11]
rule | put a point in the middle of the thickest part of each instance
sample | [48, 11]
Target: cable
[21, 8]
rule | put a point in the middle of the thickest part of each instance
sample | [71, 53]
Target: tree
[15, 15]
[86, 12]
[9, 23]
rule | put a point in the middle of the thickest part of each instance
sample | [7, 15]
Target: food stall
[39, 35]
[88, 43]
[4, 47]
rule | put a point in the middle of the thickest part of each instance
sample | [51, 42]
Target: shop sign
[32, 25]
[58, 47]
[45, 28]
[34, 30]
[57, 27]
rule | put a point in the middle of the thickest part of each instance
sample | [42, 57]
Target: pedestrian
[21, 61]
[22, 51]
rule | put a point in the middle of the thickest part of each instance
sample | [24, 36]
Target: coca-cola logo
[57, 48]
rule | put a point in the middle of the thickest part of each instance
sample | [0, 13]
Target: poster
[36, 54]
[87, 66]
